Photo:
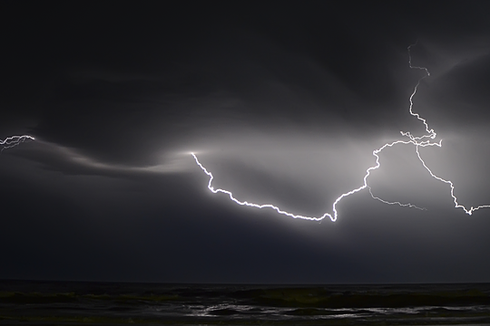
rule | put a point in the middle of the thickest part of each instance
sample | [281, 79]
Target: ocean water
[85, 303]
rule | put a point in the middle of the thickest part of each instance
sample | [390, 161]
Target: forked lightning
[13, 141]
[424, 140]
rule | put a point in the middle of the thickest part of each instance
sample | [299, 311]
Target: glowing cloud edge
[420, 141]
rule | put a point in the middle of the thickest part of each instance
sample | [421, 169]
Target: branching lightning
[13, 141]
[424, 140]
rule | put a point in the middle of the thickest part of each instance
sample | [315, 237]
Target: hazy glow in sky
[283, 104]
[417, 141]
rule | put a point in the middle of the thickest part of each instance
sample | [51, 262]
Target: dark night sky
[284, 103]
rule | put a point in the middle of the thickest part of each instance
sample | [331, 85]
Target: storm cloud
[283, 103]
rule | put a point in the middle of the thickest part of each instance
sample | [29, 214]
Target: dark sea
[85, 303]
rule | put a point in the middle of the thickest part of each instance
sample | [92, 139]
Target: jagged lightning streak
[13, 141]
[432, 134]
[419, 141]
[451, 185]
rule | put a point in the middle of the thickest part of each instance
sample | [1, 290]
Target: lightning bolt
[424, 140]
[13, 141]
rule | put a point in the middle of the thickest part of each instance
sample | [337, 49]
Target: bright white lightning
[13, 141]
[416, 141]
[451, 185]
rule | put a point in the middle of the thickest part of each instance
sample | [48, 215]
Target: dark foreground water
[80, 303]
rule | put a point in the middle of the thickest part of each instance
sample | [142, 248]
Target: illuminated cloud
[283, 104]
[425, 140]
